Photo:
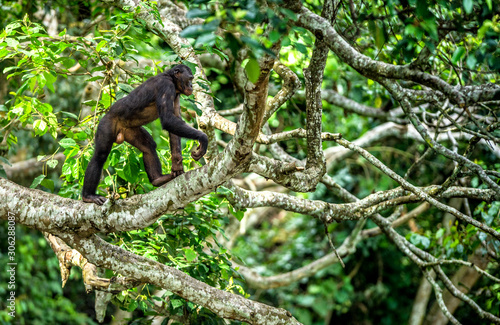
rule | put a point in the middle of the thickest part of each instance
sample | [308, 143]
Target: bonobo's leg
[175, 144]
[104, 139]
[142, 140]
[176, 152]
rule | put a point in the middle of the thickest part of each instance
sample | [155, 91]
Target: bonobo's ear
[177, 71]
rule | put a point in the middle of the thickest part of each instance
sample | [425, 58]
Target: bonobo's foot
[94, 198]
[163, 179]
[176, 173]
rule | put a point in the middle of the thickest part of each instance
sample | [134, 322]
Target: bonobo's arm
[175, 124]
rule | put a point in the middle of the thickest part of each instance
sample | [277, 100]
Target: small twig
[333, 246]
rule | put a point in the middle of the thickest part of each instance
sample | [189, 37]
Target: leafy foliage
[40, 298]
[187, 241]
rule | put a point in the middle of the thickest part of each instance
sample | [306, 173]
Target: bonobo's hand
[202, 148]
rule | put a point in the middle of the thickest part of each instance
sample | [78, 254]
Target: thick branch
[57, 215]
[328, 212]
[69, 257]
[222, 303]
[291, 84]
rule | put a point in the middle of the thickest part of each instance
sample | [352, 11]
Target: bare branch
[393, 88]
[362, 63]
[406, 185]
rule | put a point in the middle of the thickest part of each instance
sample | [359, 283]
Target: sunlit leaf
[67, 143]
[253, 70]
[190, 254]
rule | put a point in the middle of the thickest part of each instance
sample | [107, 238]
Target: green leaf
[194, 31]
[238, 214]
[458, 54]
[94, 78]
[83, 63]
[53, 132]
[100, 45]
[300, 47]
[488, 2]
[71, 151]
[257, 48]
[468, 5]
[2, 172]
[131, 169]
[48, 183]
[67, 143]
[487, 24]
[37, 181]
[420, 240]
[68, 62]
[380, 37]
[190, 254]
[197, 13]
[125, 88]
[471, 62]
[90, 103]
[52, 163]
[176, 303]
[290, 14]
[206, 39]
[5, 161]
[70, 114]
[11, 42]
[12, 26]
[274, 36]
[132, 306]
[9, 69]
[253, 70]
[49, 80]
[40, 126]
[194, 106]
[98, 68]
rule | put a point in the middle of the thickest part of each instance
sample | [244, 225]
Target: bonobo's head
[182, 77]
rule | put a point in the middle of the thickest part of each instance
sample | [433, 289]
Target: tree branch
[222, 303]
[362, 63]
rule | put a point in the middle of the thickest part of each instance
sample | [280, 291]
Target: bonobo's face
[184, 78]
[187, 86]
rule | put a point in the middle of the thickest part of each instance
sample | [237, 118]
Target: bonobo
[157, 97]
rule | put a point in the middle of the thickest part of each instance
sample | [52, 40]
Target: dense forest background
[365, 130]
